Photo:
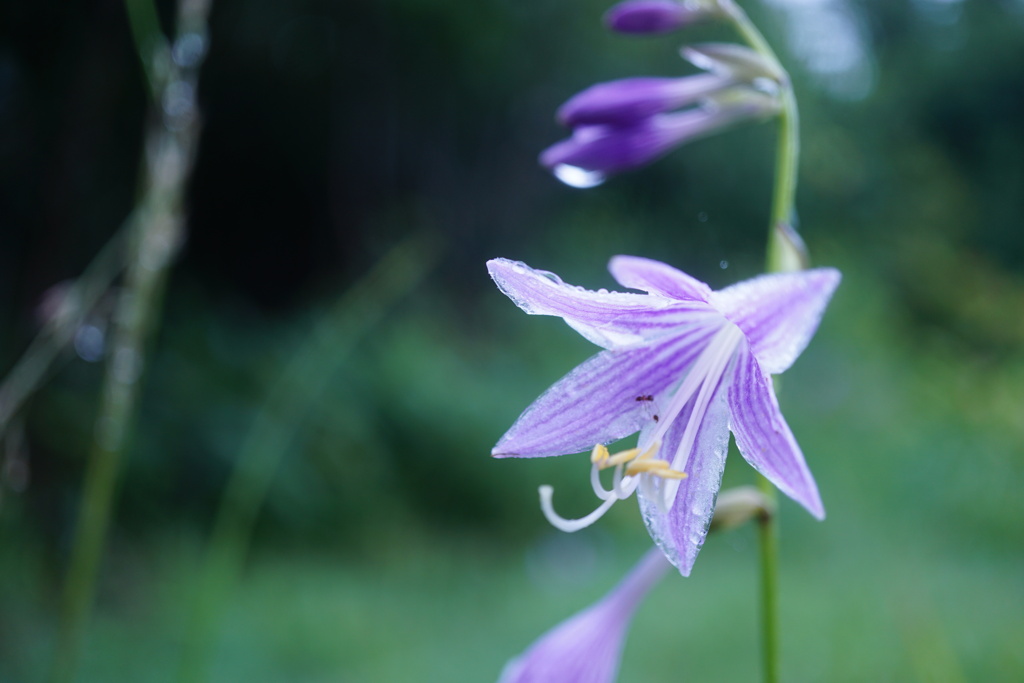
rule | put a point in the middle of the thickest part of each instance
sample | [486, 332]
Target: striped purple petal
[629, 100]
[778, 313]
[597, 401]
[609, 149]
[681, 532]
[608, 319]
[653, 17]
[764, 438]
[658, 278]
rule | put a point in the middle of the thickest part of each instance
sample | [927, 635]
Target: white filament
[570, 525]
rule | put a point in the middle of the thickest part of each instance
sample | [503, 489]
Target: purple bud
[587, 647]
[653, 16]
[603, 150]
[629, 100]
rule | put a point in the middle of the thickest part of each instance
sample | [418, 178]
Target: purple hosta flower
[587, 647]
[622, 125]
[657, 16]
[683, 365]
[596, 151]
[630, 100]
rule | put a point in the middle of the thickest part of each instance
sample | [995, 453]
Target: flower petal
[764, 438]
[629, 100]
[608, 319]
[680, 533]
[659, 278]
[597, 401]
[653, 16]
[606, 149]
[778, 313]
[587, 647]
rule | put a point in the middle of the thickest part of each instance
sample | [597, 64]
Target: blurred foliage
[390, 545]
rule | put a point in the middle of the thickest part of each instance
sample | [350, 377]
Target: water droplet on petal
[574, 176]
[723, 264]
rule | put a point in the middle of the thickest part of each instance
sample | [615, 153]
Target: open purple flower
[587, 647]
[683, 365]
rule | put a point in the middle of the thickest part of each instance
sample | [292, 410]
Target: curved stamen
[630, 466]
[570, 525]
[625, 486]
[595, 482]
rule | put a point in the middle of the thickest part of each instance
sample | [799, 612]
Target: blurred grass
[443, 567]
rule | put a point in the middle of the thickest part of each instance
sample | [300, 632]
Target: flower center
[635, 467]
[699, 385]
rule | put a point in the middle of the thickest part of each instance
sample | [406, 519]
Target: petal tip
[827, 278]
[496, 265]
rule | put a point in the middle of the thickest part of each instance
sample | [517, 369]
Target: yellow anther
[621, 458]
[649, 453]
[658, 468]
[599, 454]
[645, 465]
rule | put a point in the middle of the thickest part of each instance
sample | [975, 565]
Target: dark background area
[390, 547]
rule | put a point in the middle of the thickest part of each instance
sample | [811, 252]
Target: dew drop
[89, 343]
[574, 176]
[723, 264]
[702, 217]
[188, 50]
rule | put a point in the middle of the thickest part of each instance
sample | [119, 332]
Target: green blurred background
[389, 546]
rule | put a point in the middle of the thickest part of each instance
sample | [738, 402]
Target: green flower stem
[768, 537]
[785, 252]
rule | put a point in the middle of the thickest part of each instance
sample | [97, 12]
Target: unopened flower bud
[586, 648]
[656, 16]
[738, 506]
[788, 252]
[629, 100]
[603, 150]
[734, 61]
[745, 102]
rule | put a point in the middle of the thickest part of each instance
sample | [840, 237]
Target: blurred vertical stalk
[155, 231]
[294, 395]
